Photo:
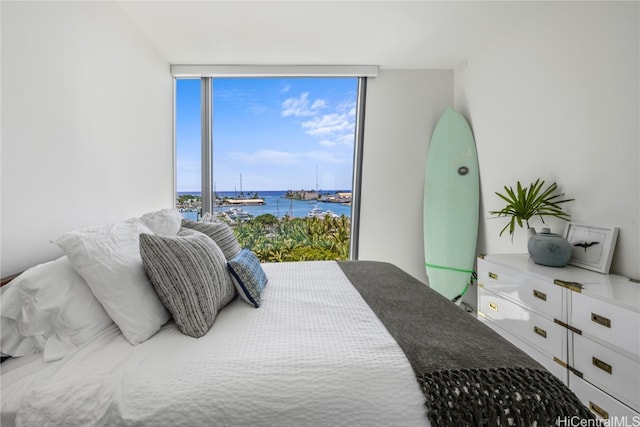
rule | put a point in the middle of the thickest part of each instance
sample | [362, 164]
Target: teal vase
[547, 248]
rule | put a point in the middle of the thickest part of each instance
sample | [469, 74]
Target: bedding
[189, 274]
[334, 343]
[326, 343]
[470, 375]
[165, 222]
[248, 277]
[219, 232]
[49, 309]
[108, 258]
[313, 354]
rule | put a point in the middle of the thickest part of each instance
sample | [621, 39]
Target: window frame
[207, 73]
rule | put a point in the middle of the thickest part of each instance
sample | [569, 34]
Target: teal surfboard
[451, 203]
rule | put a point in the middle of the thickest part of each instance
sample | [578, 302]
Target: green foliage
[187, 197]
[525, 203]
[296, 239]
[266, 219]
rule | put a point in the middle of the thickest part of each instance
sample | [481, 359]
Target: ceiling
[391, 34]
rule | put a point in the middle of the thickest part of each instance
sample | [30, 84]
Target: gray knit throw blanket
[498, 397]
[469, 374]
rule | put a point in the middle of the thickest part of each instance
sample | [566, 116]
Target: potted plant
[524, 203]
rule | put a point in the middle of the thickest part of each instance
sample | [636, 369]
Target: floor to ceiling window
[188, 146]
[280, 155]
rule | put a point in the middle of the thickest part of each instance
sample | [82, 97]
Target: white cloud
[328, 124]
[318, 104]
[331, 125]
[301, 107]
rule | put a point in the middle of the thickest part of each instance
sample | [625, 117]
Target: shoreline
[274, 202]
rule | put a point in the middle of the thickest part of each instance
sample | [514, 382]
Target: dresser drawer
[600, 346]
[611, 371]
[538, 331]
[608, 322]
[538, 295]
[601, 404]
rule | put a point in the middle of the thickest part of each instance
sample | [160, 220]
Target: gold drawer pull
[601, 320]
[493, 306]
[598, 410]
[602, 365]
[572, 286]
[493, 276]
[540, 331]
[540, 295]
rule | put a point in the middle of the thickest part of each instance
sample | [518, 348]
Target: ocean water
[276, 204]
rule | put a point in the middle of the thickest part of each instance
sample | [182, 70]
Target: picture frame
[592, 245]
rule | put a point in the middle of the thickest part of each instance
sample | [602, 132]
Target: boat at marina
[238, 214]
[275, 203]
[316, 212]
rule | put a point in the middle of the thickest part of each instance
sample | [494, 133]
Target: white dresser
[581, 325]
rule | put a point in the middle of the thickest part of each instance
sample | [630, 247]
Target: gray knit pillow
[189, 274]
[220, 232]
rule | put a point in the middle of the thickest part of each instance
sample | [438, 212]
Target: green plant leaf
[527, 202]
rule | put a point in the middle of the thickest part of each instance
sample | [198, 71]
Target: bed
[315, 343]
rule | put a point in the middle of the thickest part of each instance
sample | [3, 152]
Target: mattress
[313, 354]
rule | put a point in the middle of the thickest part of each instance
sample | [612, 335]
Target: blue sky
[276, 132]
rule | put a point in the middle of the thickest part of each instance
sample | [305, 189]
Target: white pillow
[165, 222]
[49, 308]
[108, 258]
[12, 342]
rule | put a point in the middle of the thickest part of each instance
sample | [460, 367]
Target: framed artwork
[592, 245]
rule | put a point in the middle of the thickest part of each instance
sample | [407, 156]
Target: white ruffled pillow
[12, 342]
[165, 222]
[49, 308]
[108, 258]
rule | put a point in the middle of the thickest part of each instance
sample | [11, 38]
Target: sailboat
[236, 213]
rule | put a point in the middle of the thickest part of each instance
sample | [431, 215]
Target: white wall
[559, 99]
[401, 111]
[86, 124]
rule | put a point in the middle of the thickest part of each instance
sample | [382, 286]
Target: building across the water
[303, 195]
[246, 202]
[339, 197]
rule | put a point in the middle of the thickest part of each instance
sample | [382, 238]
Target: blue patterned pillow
[248, 276]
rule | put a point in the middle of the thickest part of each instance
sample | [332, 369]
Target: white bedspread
[313, 354]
